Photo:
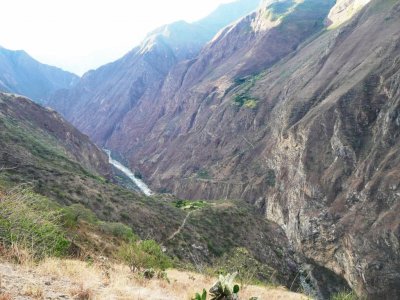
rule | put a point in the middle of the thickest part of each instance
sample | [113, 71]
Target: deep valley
[264, 139]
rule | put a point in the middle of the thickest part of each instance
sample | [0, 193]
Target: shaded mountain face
[24, 123]
[277, 110]
[21, 74]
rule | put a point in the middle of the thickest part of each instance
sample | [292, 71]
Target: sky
[78, 35]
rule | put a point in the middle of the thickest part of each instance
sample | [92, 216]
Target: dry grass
[105, 280]
[81, 293]
[19, 254]
[33, 290]
[100, 281]
[5, 297]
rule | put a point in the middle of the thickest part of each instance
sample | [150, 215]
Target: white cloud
[81, 34]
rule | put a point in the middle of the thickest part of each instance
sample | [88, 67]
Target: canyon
[292, 108]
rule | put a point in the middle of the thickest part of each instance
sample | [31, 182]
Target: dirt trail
[180, 227]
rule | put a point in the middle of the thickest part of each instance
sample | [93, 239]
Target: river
[138, 182]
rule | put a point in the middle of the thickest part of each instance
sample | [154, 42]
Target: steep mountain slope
[300, 121]
[196, 94]
[42, 152]
[294, 109]
[21, 114]
[313, 141]
[21, 74]
[102, 98]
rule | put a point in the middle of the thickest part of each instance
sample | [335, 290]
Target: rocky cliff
[21, 74]
[295, 109]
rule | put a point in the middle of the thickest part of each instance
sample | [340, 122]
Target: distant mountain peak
[21, 74]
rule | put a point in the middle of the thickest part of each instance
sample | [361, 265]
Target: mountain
[21, 74]
[41, 131]
[294, 109]
[61, 170]
[111, 91]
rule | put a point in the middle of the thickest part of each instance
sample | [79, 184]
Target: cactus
[203, 296]
[224, 289]
[149, 273]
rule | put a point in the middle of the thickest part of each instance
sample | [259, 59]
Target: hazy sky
[78, 35]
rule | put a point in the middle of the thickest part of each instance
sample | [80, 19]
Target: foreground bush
[144, 255]
[249, 269]
[28, 221]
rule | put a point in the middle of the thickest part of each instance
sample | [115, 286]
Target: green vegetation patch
[144, 255]
[203, 174]
[345, 295]
[31, 222]
[243, 98]
[250, 270]
[190, 205]
[250, 103]
[36, 142]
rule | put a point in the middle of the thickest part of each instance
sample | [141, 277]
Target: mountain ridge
[138, 74]
[21, 74]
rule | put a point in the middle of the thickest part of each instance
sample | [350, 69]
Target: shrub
[144, 255]
[249, 269]
[245, 100]
[118, 230]
[29, 221]
[250, 103]
[203, 174]
[74, 213]
[190, 205]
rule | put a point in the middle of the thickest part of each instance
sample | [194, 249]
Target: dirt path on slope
[180, 227]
